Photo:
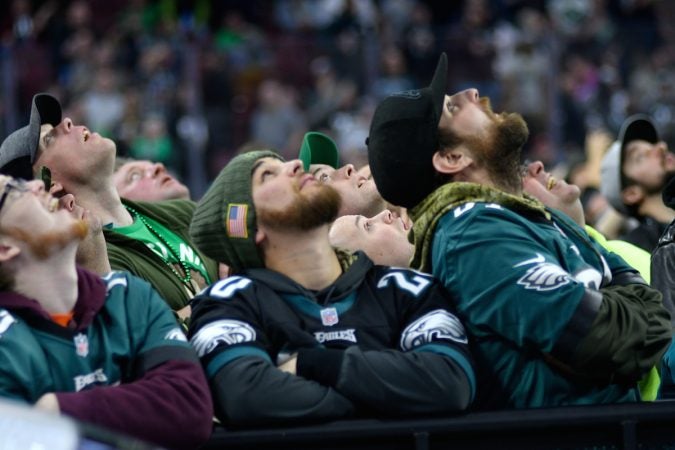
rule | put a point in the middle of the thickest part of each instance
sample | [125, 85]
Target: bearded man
[635, 170]
[102, 350]
[147, 239]
[554, 318]
[303, 333]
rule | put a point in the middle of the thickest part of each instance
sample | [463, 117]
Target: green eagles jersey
[133, 332]
[519, 281]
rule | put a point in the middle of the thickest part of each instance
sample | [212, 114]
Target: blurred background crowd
[191, 82]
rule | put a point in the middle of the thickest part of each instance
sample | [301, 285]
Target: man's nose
[157, 169]
[386, 216]
[347, 171]
[294, 167]
[66, 124]
[535, 168]
[467, 95]
[67, 202]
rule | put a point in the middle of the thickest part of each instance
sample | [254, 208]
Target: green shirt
[166, 244]
[136, 257]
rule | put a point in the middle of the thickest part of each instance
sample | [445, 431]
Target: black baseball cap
[17, 152]
[403, 138]
[636, 127]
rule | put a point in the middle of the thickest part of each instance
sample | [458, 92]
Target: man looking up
[143, 180]
[560, 195]
[565, 197]
[635, 170]
[555, 318]
[320, 157]
[302, 332]
[149, 240]
[102, 350]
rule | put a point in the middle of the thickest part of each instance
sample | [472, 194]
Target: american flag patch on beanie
[236, 220]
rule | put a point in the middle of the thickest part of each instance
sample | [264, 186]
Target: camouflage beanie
[224, 223]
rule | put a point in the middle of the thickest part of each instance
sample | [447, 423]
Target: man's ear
[260, 236]
[8, 251]
[452, 161]
[632, 195]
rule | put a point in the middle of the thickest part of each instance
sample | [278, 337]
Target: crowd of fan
[266, 73]
[286, 294]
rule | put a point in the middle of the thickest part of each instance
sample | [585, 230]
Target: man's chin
[51, 243]
[80, 229]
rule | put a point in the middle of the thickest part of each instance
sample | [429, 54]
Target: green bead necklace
[187, 279]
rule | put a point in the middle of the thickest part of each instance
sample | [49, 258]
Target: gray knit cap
[224, 223]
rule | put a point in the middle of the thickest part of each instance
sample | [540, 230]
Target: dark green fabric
[632, 328]
[232, 187]
[425, 215]
[135, 257]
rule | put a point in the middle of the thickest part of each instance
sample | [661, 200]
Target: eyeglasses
[19, 186]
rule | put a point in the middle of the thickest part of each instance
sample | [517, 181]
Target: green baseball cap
[318, 148]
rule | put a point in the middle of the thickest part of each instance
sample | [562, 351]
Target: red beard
[44, 245]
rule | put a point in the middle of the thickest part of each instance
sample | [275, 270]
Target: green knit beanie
[224, 223]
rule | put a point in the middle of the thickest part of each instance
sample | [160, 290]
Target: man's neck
[305, 257]
[480, 175]
[103, 202]
[653, 207]
[51, 281]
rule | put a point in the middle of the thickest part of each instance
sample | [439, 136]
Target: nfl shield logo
[329, 316]
[81, 345]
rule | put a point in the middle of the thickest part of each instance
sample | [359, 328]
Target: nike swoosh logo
[536, 260]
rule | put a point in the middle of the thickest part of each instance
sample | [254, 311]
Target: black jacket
[379, 340]
[663, 257]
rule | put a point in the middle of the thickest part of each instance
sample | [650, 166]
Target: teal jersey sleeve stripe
[230, 355]
[457, 357]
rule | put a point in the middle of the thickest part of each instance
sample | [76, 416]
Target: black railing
[620, 426]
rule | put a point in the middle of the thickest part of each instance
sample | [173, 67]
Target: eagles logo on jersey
[175, 334]
[546, 276]
[438, 325]
[228, 332]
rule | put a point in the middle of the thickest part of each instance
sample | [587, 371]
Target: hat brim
[318, 148]
[638, 127]
[47, 108]
[438, 85]
[19, 149]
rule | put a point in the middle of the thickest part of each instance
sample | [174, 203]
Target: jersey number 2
[414, 285]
